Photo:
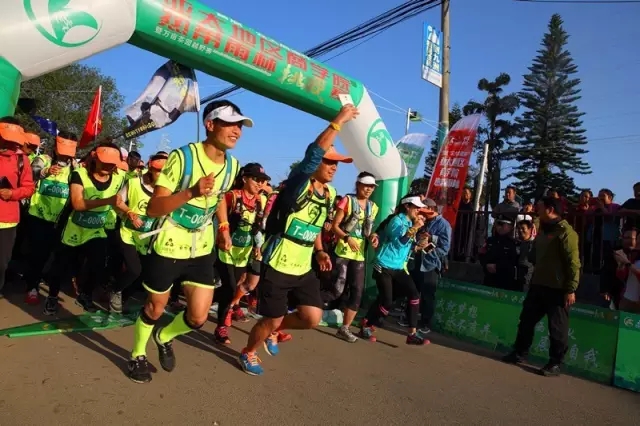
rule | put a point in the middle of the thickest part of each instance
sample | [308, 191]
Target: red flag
[452, 166]
[94, 121]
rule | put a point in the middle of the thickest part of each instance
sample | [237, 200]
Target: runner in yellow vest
[135, 193]
[92, 194]
[47, 204]
[244, 205]
[292, 239]
[352, 226]
[185, 199]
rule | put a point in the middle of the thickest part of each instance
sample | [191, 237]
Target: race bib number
[54, 189]
[147, 224]
[302, 231]
[241, 238]
[89, 219]
[191, 217]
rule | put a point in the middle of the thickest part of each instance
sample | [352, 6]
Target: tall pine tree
[552, 137]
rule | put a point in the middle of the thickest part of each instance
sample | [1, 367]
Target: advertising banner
[627, 371]
[411, 148]
[432, 55]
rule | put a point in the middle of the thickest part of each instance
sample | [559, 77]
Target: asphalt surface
[79, 379]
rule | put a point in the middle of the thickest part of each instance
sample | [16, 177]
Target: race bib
[302, 231]
[89, 219]
[241, 238]
[191, 217]
[147, 224]
[55, 189]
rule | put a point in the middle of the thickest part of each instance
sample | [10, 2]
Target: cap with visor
[229, 115]
[255, 170]
[108, 155]
[12, 133]
[367, 180]
[32, 139]
[66, 147]
[413, 200]
[332, 155]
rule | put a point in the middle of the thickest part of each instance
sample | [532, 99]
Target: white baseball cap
[367, 180]
[229, 115]
[414, 201]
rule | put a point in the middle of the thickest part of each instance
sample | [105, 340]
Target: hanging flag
[46, 125]
[94, 121]
[173, 90]
[414, 116]
[452, 166]
[411, 148]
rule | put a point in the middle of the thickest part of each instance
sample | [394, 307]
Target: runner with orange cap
[47, 205]
[93, 193]
[16, 184]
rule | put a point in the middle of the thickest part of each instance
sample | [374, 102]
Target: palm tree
[498, 130]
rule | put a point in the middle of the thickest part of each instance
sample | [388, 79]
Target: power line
[580, 1]
[365, 32]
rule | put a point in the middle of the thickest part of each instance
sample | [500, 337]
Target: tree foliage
[65, 97]
[293, 166]
[498, 130]
[552, 137]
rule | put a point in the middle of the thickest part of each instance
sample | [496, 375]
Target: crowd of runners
[186, 222]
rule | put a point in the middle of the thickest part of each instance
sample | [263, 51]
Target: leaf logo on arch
[378, 138]
[63, 22]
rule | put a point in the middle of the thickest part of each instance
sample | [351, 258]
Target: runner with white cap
[396, 242]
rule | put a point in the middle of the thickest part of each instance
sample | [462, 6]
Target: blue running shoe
[271, 344]
[250, 363]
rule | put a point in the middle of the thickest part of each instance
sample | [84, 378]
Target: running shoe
[514, 358]
[50, 306]
[424, 330]
[415, 339]
[238, 314]
[86, 302]
[32, 297]
[165, 352]
[115, 302]
[221, 335]
[345, 334]
[271, 344]
[227, 319]
[250, 363]
[284, 337]
[139, 370]
[367, 331]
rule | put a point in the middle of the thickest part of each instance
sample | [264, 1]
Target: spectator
[578, 219]
[464, 221]
[499, 256]
[605, 228]
[615, 269]
[632, 207]
[553, 286]
[509, 206]
[526, 241]
[429, 263]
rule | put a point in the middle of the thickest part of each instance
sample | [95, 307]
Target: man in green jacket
[555, 280]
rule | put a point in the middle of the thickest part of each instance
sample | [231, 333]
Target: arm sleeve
[312, 159]
[124, 192]
[25, 183]
[75, 178]
[171, 172]
[571, 261]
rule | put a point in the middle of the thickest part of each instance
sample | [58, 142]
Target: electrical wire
[363, 33]
[580, 1]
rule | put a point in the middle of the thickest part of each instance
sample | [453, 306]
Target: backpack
[350, 222]
[187, 170]
[236, 210]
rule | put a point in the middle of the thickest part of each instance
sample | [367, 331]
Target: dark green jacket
[557, 257]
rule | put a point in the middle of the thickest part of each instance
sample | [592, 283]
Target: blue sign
[432, 55]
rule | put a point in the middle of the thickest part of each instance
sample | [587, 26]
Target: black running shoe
[513, 358]
[415, 339]
[86, 302]
[165, 352]
[550, 370]
[51, 306]
[139, 370]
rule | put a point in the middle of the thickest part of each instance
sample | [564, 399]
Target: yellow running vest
[51, 195]
[241, 238]
[342, 248]
[293, 252]
[87, 225]
[188, 232]
[137, 199]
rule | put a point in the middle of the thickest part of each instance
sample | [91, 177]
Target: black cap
[503, 218]
[255, 170]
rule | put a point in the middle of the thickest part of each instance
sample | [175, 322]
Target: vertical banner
[411, 148]
[627, 369]
[452, 166]
[432, 55]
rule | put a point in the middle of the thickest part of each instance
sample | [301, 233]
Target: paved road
[316, 380]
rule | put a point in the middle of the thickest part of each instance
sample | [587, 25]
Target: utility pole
[443, 125]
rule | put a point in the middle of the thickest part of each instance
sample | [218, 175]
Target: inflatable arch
[41, 36]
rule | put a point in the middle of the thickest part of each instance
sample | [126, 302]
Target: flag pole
[95, 132]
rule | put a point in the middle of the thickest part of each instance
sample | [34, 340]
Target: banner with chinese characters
[201, 38]
[450, 172]
[627, 371]
[432, 55]
[489, 317]
[411, 148]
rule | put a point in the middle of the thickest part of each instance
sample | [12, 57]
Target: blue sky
[502, 36]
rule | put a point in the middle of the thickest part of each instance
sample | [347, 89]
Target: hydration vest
[351, 222]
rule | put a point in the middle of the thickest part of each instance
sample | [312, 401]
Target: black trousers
[132, 266]
[7, 240]
[427, 284]
[44, 238]
[541, 301]
[69, 260]
[393, 283]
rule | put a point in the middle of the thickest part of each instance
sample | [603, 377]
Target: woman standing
[353, 225]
